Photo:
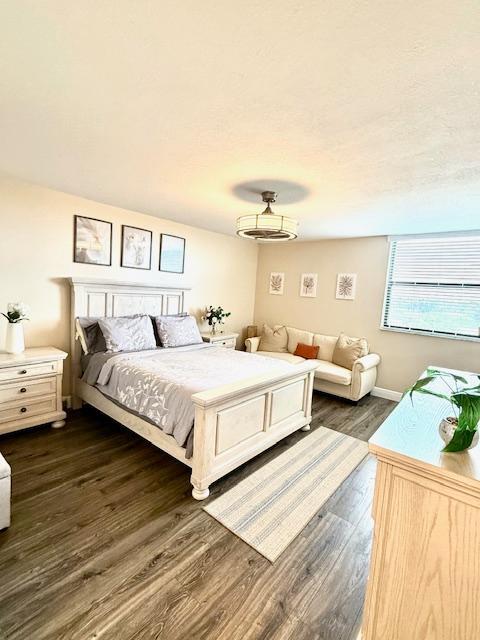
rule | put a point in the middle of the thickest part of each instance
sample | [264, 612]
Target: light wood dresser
[227, 340]
[31, 389]
[424, 581]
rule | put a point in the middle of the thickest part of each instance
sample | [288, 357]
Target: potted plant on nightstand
[215, 317]
[16, 313]
[460, 430]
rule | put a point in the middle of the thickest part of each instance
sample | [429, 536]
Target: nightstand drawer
[229, 343]
[28, 409]
[25, 371]
[30, 388]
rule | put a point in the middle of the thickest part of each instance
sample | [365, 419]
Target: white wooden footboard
[236, 422]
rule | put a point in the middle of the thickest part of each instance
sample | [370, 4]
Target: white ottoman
[5, 488]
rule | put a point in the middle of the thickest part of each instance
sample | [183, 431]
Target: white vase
[446, 429]
[14, 342]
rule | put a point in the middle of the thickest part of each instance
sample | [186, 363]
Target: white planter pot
[446, 430]
[15, 342]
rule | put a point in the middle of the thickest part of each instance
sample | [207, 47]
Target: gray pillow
[177, 331]
[91, 338]
[94, 338]
[128, 334]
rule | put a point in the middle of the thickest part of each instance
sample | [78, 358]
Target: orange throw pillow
[307, 351]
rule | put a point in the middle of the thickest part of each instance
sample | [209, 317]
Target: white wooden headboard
[108, 298]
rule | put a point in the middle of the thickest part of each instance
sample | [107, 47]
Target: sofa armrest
[251, 344]
[367, 362]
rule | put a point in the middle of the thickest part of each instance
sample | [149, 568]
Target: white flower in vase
[16, 313]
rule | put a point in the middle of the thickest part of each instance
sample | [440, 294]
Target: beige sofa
[329, 377]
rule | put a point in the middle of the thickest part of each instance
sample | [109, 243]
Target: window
[433, 286]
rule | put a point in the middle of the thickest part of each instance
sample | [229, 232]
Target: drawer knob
[23, 390]
[23, 409]
[23, 371]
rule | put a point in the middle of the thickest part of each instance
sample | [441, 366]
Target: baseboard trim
[67, 401]
[388, 394]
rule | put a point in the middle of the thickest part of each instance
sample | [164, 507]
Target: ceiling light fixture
[267, 225]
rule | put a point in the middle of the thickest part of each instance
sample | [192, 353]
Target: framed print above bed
[172, 253]
[92, 241]
[136, 248]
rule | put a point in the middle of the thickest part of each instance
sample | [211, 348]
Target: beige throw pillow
[274, 340]
[347, 350]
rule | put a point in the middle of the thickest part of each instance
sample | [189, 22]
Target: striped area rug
[269, 508]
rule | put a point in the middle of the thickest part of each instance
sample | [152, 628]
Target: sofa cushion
[333, 373]
[274, 340]
[326, 345]
[347, 350]
[288, 357]
[307, 351]
[297, 335]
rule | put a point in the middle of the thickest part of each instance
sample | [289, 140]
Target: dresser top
[410, 435]
[29, 356]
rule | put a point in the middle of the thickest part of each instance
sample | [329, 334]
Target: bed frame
[233, 423]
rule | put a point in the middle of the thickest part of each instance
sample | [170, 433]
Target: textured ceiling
[370, 108]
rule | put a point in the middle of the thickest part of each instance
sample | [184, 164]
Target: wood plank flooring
[106, 542]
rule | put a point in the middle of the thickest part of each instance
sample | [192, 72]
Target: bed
[232, 422]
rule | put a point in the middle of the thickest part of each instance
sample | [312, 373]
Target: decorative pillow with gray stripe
[128, 334]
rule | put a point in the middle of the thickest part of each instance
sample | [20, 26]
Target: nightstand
[227, 340]
[31, 388]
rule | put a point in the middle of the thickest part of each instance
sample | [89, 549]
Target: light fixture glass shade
[267, 226]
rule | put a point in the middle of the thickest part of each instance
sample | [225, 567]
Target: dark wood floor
[106, 542]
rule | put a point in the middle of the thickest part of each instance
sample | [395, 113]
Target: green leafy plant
[464, 400]
[215, 316]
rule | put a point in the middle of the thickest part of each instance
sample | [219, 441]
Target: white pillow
[128, 334]
[176, 331]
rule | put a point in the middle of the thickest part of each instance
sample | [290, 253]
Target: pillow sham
[156, 319]
[91, 337]
[347, 350]
[177, 331]
[273, 340]
[128, 334]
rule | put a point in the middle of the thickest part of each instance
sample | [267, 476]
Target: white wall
[404, 356]
[36, 249]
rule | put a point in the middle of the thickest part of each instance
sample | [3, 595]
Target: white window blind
[433, 286]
